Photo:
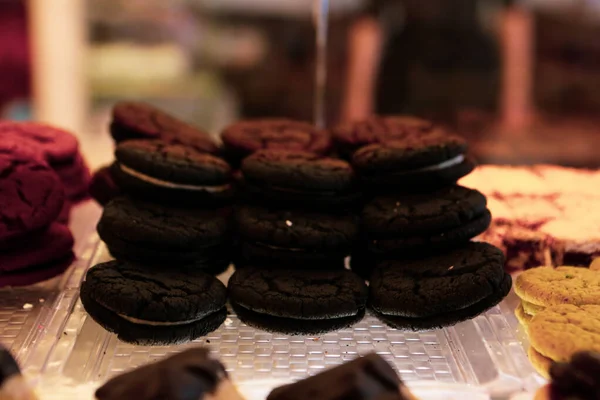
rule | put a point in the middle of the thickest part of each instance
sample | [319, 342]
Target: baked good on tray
[157, 306]
[103, 187]
[297, 301]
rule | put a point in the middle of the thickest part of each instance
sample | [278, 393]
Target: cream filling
[446, 164]
[171, 185]
[15, 388]
[154, 323]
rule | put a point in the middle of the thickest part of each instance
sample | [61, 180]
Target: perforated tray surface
[482, 353]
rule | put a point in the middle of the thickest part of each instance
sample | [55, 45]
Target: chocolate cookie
[31, 195]
[103, 187]
[295, 302]
[132, 120]
[412, 223]
[153, 307]
[439, 290]
[154, 169]
[299, 179]
[294, 238]
[153, 234]
[246, 137]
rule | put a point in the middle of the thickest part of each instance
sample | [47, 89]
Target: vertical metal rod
[321, 18]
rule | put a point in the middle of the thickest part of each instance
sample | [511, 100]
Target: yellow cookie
[540, 363]
[560, 331]
[595, 265]
[530, 308]
[563, 285]
[543, 393]
[522, 316]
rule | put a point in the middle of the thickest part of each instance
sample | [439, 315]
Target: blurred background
[520, 79]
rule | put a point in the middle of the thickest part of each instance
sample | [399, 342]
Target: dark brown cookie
[133, 120]
[246, 137]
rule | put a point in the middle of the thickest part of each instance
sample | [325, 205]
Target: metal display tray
[67, 355]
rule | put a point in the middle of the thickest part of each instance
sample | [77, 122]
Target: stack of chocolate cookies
[296, 223]
[34, 244]
[417, 225]
[166, 220]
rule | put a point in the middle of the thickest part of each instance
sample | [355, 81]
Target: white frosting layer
[171, 185]
[446, 164]
[154, 323]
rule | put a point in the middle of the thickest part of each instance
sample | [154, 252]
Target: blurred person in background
[434, 58]
[14, 53]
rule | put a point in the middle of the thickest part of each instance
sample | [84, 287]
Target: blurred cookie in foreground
[365, 378]
[12, 383]
[190, 375]
[577, 379]
[103, 187]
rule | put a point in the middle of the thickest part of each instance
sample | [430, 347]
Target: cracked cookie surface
[31, 196]
[154, 295]
[435, 285]
[309, 295]
[132, 120]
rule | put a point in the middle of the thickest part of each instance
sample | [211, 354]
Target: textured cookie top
[157, 226]
[247, 137]
[133, 120]
[31, 195]
[157, 295]
[173, 162]
[547, 286]
[437, 284]
[423, 213]
[296, 229]
[298, 170]
[298, 294]
[56, 145]
[560, 331]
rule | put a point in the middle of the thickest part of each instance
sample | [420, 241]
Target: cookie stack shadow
[416, 228]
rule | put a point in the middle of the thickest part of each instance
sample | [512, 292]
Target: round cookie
[540, 363]
[547, 286]
[38, 273]
[154, 234]
[560, 331]
[133, 120]
[171, 173]
[246, 137]
[295, 236]
[299, 179]
[57, 146]
[351, 136]
[153, 307]
[103, 187]
[279, 297]
[439, 284]
[522, 316]
[32, 196]
[53, 244]
[443, 219]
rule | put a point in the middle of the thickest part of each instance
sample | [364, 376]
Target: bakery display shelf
[31, 318]
[483, 355]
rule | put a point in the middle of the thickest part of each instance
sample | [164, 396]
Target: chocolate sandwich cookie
[294, 238]
[296, 301]
[365, 378]
[246, 137]
[148, 233]
[193, 374]
[440, 290]
[299, 179]
[412, 223]
[153, 307]
[154, 169]
[103, 187]
[133, 120]
[31, 195]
